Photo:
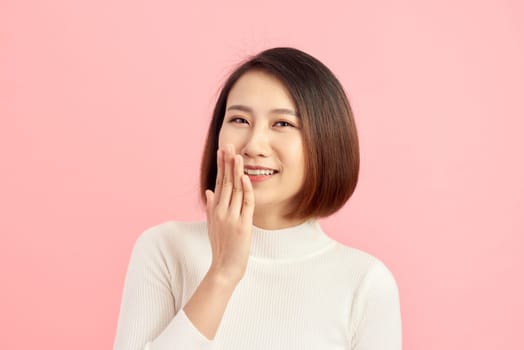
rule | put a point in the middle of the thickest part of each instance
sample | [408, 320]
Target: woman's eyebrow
[276, 110]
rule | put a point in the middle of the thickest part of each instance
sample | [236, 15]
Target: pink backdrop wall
[104, 107]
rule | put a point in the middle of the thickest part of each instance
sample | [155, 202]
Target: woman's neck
[274, 222]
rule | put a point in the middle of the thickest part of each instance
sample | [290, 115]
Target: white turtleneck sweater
[301, 290]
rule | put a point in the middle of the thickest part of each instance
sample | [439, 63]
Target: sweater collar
[292, 242]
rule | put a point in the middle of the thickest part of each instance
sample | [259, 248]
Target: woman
[281, 152]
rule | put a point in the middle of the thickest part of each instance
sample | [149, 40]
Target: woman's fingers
[220, 173]
[209, 202]
[248, 204]
[236, 197]
[227, 181]
[233, 191]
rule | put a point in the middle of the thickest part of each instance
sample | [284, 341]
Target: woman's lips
[260, 178]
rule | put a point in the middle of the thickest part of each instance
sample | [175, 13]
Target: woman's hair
[331, 149]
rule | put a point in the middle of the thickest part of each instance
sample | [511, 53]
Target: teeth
[258, 172]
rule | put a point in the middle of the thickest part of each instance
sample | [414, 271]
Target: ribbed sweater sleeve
[147, 319]
[376, 319]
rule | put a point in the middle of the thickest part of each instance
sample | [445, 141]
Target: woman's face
[261, 123]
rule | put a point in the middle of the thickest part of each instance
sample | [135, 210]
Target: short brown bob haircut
[328, 129]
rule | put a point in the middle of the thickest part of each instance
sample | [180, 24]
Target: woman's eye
[238, 120]
[284, 123]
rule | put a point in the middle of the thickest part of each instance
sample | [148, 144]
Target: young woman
[260, 273]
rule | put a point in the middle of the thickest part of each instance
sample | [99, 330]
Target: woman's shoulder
[173, 235]
[173, 228]
[363, 263]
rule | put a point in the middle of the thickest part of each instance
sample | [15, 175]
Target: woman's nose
[257, 144]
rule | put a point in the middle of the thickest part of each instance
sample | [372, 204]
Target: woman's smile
[258, 174]
[260, 177]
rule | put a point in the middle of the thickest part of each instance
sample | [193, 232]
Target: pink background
[104, 107]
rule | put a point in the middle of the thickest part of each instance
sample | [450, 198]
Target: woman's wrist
[221, 278]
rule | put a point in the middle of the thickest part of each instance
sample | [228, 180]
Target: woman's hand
[230, 216]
